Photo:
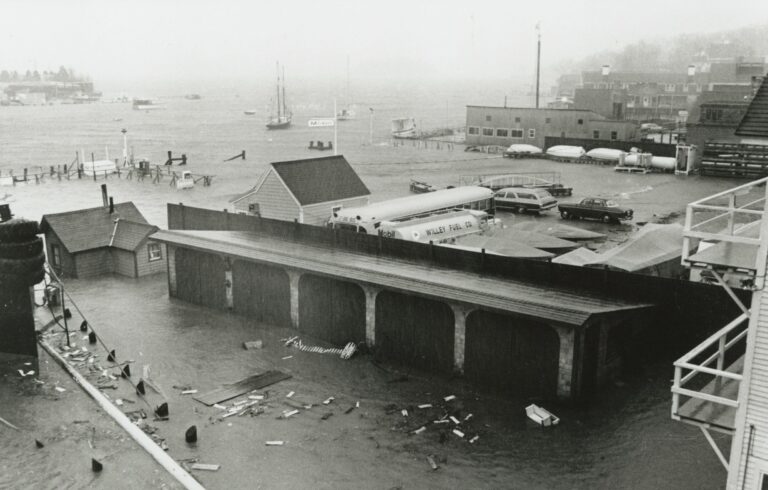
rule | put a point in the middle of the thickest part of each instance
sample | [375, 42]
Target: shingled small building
[306, 190]
[102, 240]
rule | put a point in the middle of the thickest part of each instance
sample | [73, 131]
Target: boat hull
[279, 125]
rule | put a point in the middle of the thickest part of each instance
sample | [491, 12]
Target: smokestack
[104, 196]
[606, 70]
[111, 206]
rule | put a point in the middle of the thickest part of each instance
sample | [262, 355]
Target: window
[516, 133]
[473, 130]
[580, 121]
[517, 119]
[155, 252]
[488, 118]
[487, 131]
[596, 134]
[531, 133]
[502, 133]
[614, 135]
[548, 120]
[253, 208]
[55, 254]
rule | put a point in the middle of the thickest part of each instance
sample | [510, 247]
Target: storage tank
[438, 228]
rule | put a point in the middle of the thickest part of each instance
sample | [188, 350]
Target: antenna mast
[285, 112]
[277, 64]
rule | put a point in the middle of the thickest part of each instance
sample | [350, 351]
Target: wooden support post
[460, 314]
[371, 293]
[294, 277]
[566, 359]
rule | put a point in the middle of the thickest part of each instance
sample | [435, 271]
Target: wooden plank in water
[255, 382]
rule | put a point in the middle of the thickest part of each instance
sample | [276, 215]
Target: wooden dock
[140, 171]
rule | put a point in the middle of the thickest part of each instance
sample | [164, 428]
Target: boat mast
[285, 112]
[277, 64]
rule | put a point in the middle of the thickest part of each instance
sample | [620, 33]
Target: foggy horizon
[126, 44]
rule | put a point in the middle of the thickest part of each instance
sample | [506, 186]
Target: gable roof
[86, 229]
[755, 121]
[316, 180]
[128, 235]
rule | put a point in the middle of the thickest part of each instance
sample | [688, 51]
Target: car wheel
[564, 214]
[607, 219]
[520, 209]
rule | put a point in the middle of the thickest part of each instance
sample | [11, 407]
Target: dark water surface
[624, 438]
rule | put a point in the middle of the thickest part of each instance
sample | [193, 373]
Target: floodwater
[623, 438]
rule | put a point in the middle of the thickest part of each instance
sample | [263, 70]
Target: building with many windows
[504, 126]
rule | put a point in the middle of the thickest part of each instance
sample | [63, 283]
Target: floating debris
[191, 434]
[432, 463]
[96, 466]
[425, 405]
[458, 432]
[253, 344]
[329, 400]
[404, 412]
[454, 420]
[449, 398]
[467, 417]
[59, 389]
[420, 430]
[472, 441]
[345, 353]
[189, 392]
[205, 467]
[289, 413]
[39, 444]
[287, 357]
[274, 443]
[290, 394]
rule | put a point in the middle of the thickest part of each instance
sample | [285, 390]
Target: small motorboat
[519, 150]
[418, 187]
[541, 415]
[320, 146]
[565, 151]
[249, 113]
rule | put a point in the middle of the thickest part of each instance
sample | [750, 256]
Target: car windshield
[611, 204]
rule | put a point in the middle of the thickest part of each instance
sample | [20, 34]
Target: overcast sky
[228, 39]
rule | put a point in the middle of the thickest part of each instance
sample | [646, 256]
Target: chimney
[606, 70]
[111, 206]
[104, 196]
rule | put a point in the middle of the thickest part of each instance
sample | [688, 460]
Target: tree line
[62, 75]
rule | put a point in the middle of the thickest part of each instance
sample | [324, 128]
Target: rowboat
[541, 415]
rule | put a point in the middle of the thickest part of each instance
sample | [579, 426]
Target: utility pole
[538, 61]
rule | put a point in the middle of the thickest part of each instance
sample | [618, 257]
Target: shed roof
[86, 229]
[128, 235]
[545, 303]
[755, 121]
[316, 180]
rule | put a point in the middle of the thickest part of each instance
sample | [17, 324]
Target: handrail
[686, 358]
[732, 190]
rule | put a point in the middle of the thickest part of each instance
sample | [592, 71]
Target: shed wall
[331, 310]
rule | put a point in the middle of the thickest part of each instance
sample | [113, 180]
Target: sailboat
[348, 113]
[283, 118]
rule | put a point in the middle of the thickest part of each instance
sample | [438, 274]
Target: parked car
[522, 199]
[595, 208]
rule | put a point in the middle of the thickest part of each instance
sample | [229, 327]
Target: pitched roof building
[304, 190]
[101, 240]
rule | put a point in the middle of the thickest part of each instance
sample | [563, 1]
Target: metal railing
[712, 367]
[732, 216]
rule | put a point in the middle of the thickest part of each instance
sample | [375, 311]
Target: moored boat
[404, 127]
[282, 119]
[146, 105]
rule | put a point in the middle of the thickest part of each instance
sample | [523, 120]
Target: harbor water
[621, 438]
